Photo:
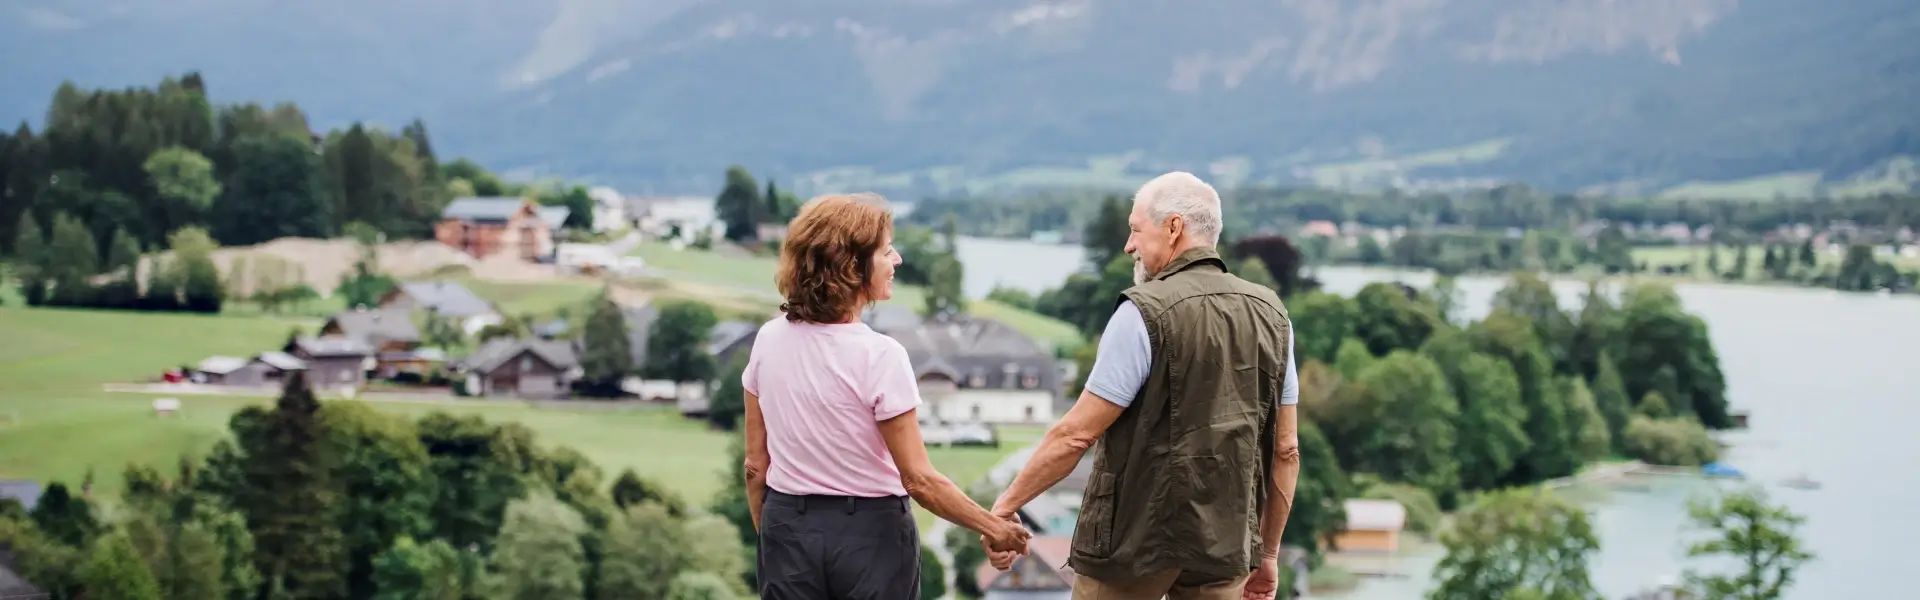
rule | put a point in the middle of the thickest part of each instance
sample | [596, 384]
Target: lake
[1822, 374]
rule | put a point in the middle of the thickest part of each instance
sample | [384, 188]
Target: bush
[1672, 442]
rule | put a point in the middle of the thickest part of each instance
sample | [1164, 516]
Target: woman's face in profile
[884, 262]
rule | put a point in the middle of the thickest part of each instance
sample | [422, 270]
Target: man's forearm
[1053, 459]
[1273, 520]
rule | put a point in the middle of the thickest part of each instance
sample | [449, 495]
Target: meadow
[57, 424]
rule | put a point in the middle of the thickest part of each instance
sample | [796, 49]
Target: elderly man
[1190, 405]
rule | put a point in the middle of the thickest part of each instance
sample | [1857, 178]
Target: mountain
[945, 95]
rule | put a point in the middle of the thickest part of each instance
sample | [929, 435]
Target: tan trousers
[1170, 584]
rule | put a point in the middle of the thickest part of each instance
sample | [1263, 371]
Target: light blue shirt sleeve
[1290, 390]
[1126, 356]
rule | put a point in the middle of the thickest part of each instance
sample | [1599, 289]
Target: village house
[266, 369]
[1041, 574]
[525, 368]
[609, 209]
[1373, 527]
[333, 363]
[446, 299]
[727, 341]
[392, 335]
[977, 370]
[482, 227]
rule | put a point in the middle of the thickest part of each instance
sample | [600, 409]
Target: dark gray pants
[838, 548]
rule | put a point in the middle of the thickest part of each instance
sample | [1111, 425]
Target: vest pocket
[1093, 531]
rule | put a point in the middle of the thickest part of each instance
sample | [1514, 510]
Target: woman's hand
[1008, 537]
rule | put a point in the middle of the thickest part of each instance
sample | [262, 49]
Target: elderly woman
[833, 444]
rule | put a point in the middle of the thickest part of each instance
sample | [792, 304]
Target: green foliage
[646, 548]
[677, 346]
[386, 485]
[1668, 350]
[1353, 358]
[1423, 511]
[1610, 397]
[1513, 540]
[579, 206]
[200, 285]
[1676, 442]
[630, 489]
[1653, 406]
[1591, 441]
[728, 408]
[1511, 338]
[479, 467]
[714, 547]
[114, 571]
[1105, 234]
[1759, 537]
[945, 294]
[1412, 436]
[538, 555]
[933, 576]
[740, 206]
[52, 566]
[291, 496]
[967, 558]
[1389, 320]
[1014, 297]
[415, 571]
[1322, 323]
[699, 586]
[1492, 418]
[277, 189]
[607, 353]
[1255, 272]
[731, 502]
[185, 183]
[64, 517]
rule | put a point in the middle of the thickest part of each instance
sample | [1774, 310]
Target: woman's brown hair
[827, 259]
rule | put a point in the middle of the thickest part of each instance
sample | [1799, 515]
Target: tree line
[117, 174]
[1402, 401]
[313, 501]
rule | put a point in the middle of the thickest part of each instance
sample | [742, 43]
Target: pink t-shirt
[823, 391]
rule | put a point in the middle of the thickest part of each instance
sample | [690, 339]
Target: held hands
[1007, 541]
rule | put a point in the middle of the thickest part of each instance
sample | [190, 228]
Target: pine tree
[607, 355]
[290, 501]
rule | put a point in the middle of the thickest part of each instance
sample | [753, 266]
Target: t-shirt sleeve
[750, 376]
[1290, 390]
[895, 389]
[1125, 357]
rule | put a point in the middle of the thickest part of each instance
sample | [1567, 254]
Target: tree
[386, 483]
[1413, 437]
[1672, 442]
[479, 468]
[630, 489]
[538, 555]
[1510, 337]
[699, 586]
[1492, 433]
[606, 353]
[731, 501]
[677, 346]
[414, 571]
[1516, 539]
[30, 262]
[73, 259]
[1758, 535]
[1280, 258]
[290, 497]
[1105, 235]
[1255, 272]
[1610, 396]
[1666, 349]
[185, 183]
[1321, 322]
[933, 576]
[114, 571]
[200, 280]
[740, 206]
[729, 406]
[946, 295]
[1591, 441]
[65, 518]
[278, 189]
[713, 546]
[646, 548]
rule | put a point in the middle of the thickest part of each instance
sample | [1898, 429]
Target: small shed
[333, 362]
[165, 407]
[215, 370]
[1373, 526]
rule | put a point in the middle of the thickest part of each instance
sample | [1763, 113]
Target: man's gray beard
[1140, 274]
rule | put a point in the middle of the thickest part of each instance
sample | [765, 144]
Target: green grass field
[56, 423]
[755, 274]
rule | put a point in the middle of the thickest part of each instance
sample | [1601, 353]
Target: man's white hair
[1181, 193]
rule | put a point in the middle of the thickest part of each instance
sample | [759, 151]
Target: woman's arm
[757, 459]
[937, 493]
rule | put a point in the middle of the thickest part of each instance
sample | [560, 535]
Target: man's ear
[1176, 227]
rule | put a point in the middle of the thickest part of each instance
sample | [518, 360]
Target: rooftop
[377, 325]
[220, 365]
[1375, 515]
[27, 492]
[447, 298]
[498, 351]
[330, 347]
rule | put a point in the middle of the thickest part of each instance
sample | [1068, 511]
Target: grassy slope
[755, 274]
[56, 423]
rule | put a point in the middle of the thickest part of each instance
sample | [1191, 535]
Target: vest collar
[1191, 258]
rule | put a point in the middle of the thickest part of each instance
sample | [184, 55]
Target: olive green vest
[1180, 480]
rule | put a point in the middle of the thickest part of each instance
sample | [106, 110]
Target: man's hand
[1001, 557]
[1007, 536]
[1264, 582]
